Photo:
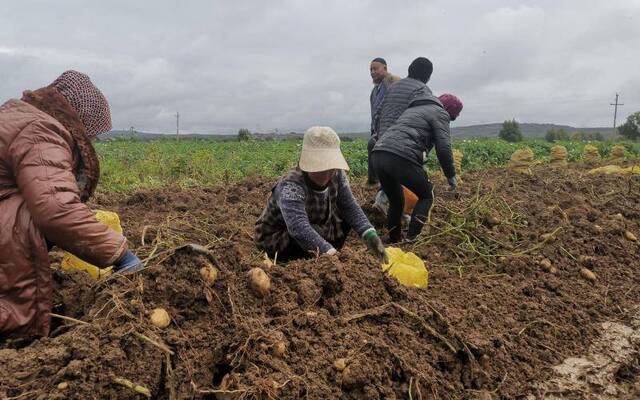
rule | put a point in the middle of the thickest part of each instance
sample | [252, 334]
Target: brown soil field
[493, 323]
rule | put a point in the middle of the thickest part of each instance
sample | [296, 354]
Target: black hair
[380, 60]
[421, 69]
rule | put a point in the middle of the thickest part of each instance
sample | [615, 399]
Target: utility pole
[615, 111]
[177, 125]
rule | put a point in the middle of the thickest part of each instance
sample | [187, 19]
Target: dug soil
[508, 302]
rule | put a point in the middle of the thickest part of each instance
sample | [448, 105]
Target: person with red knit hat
[48, 170]
[452, 104]
[399, 154]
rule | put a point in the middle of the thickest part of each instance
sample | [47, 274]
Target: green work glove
[374, 244]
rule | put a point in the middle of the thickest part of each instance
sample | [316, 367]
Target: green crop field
[129, 165]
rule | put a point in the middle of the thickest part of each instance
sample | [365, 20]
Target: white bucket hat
[321, 150]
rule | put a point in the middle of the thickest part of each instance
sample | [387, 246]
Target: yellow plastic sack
[615, 169]
[522, 160]
[590, 153]
[407, 268]
[558, 156]
[617, 153]
[71, 262]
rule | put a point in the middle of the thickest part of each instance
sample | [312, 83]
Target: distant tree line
[631, 128]
[556, 134]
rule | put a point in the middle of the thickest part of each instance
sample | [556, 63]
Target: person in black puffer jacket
[398, 157]
[398, 96]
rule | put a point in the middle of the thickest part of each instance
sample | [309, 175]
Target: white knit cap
[321, 150]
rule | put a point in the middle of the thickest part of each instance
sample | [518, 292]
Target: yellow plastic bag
[407, 268]
[71, 262]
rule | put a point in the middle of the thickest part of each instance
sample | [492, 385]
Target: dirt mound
[492, 323]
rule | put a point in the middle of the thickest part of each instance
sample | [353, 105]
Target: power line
[615, 111]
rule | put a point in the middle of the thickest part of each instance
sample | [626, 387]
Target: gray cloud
[292, 64]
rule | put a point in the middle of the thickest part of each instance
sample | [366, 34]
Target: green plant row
[129, 165]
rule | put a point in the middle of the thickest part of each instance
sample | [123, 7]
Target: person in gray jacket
[395, 103]
[382, 81]
[398, 96]
[398, 157]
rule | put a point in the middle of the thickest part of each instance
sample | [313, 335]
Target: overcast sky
[292, 64]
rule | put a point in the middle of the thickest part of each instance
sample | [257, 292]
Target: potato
[492, 220]
[160, 318]
[630, 236]
[340, 364]
[209, 274]
[259, 281]
[547, 237]
[598, 229]
[588, 274]
[546, 265]
[279, 348]
[587, 260]
[619, 217]
[63, 385]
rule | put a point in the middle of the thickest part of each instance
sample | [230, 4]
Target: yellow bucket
[407, 268]
[71, 262]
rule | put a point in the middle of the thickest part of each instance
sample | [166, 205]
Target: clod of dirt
[483, 395]
[340, 364]
[308, 292]
[279, 348]
[354, 376]
[630, 236]
[587, 261]
[229, 382]
[492, 220]
[259, 281]
[209, 274]
[546, 265]
[588, 274]
[160, 318]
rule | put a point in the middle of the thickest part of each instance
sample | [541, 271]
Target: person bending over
[48, 169]
[311, 208]
[399, 154]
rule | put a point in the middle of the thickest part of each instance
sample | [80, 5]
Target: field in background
[129, 165]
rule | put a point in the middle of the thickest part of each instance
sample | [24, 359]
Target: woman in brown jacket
[48, 169]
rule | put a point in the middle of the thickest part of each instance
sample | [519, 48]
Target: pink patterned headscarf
[452, 104]
[87, 100]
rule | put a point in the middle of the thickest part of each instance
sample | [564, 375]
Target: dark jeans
[293, 251]
[372, 179]
[395, 172]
